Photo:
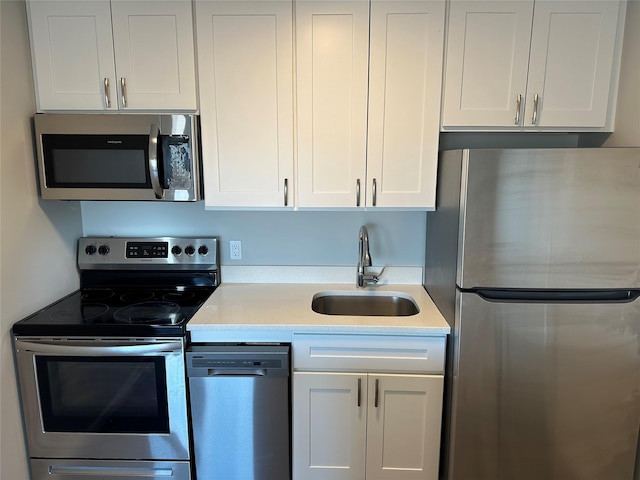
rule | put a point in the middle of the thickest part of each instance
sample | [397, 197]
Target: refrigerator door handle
[557, 296]
[636, 470]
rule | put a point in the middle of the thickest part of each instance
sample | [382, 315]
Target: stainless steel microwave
[118, 157]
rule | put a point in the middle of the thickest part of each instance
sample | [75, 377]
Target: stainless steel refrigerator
[533, 256]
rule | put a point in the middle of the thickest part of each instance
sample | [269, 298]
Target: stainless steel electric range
[101, 371]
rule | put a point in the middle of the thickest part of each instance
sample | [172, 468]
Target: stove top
[132, 287]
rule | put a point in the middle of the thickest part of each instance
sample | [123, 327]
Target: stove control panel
[161, 252]
[148, 249]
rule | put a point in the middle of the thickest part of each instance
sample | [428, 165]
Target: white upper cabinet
[154, 53]
[368, 95]
[513, 65]
[332, 46]
[101, 55]
[405, 80]
[245, 68]
[571, 62]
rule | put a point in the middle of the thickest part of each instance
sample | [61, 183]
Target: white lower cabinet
[352, 426]
[367, 424]
[329, 426]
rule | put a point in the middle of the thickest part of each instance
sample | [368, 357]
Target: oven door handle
[102, 350]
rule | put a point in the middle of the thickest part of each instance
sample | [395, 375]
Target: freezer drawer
[544, 391]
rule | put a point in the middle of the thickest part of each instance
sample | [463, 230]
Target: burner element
[177, 296]
[137, 296]
[96, 295]
[88, 311]
[150, 313]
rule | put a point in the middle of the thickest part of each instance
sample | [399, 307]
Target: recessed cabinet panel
[404, 98]
[66, 50]
[144, 36]
[486, 67]
[571, 61]
[332, 67]
[72, 50]
[245, 59]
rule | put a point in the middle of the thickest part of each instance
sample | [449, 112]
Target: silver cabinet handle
[123, 91]
[376, 397]
[107, 99]
[153, 161]
[357, 192]
[359, 392]
[375, 192]
[286, 192]
[534, 118]
[518, 105]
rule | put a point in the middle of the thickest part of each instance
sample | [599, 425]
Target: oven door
[107, 398]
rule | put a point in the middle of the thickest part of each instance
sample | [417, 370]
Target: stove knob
[90, 250]
[103, 249]
[190, 250]
[203, 250]
[176, 250]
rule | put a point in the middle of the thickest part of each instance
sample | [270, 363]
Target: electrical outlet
[235, 249]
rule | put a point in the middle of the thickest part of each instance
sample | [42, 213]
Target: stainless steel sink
[381, 304]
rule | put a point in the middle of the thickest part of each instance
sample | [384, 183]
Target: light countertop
[275, 311]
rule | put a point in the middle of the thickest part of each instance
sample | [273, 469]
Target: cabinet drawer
[379, 353]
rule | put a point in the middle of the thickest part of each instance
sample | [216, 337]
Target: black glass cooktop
[118, 312]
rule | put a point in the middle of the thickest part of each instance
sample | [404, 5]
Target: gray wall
[36, 246]
[270, 238]
[627, 126]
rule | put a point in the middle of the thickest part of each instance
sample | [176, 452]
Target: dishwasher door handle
[230, 372]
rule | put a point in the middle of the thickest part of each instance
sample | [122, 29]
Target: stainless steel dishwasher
[240, 411]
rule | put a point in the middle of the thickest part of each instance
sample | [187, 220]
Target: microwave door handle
[153, 162]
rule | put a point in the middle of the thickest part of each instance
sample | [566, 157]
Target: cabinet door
[403, 427]
[332, 45]
[72, 50]
[329, 426]
[572, 52]
[245, 61]
[154, 54]
[404, 102]
[486, 64]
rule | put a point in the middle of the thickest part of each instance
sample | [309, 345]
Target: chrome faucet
[364, 260]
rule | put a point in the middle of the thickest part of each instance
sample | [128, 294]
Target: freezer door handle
[636, 468]
[558, 296]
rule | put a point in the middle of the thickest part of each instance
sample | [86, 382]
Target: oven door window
[103, 394]
[96, 161]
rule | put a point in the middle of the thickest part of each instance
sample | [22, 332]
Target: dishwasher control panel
[238, 359]
[205, 361]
